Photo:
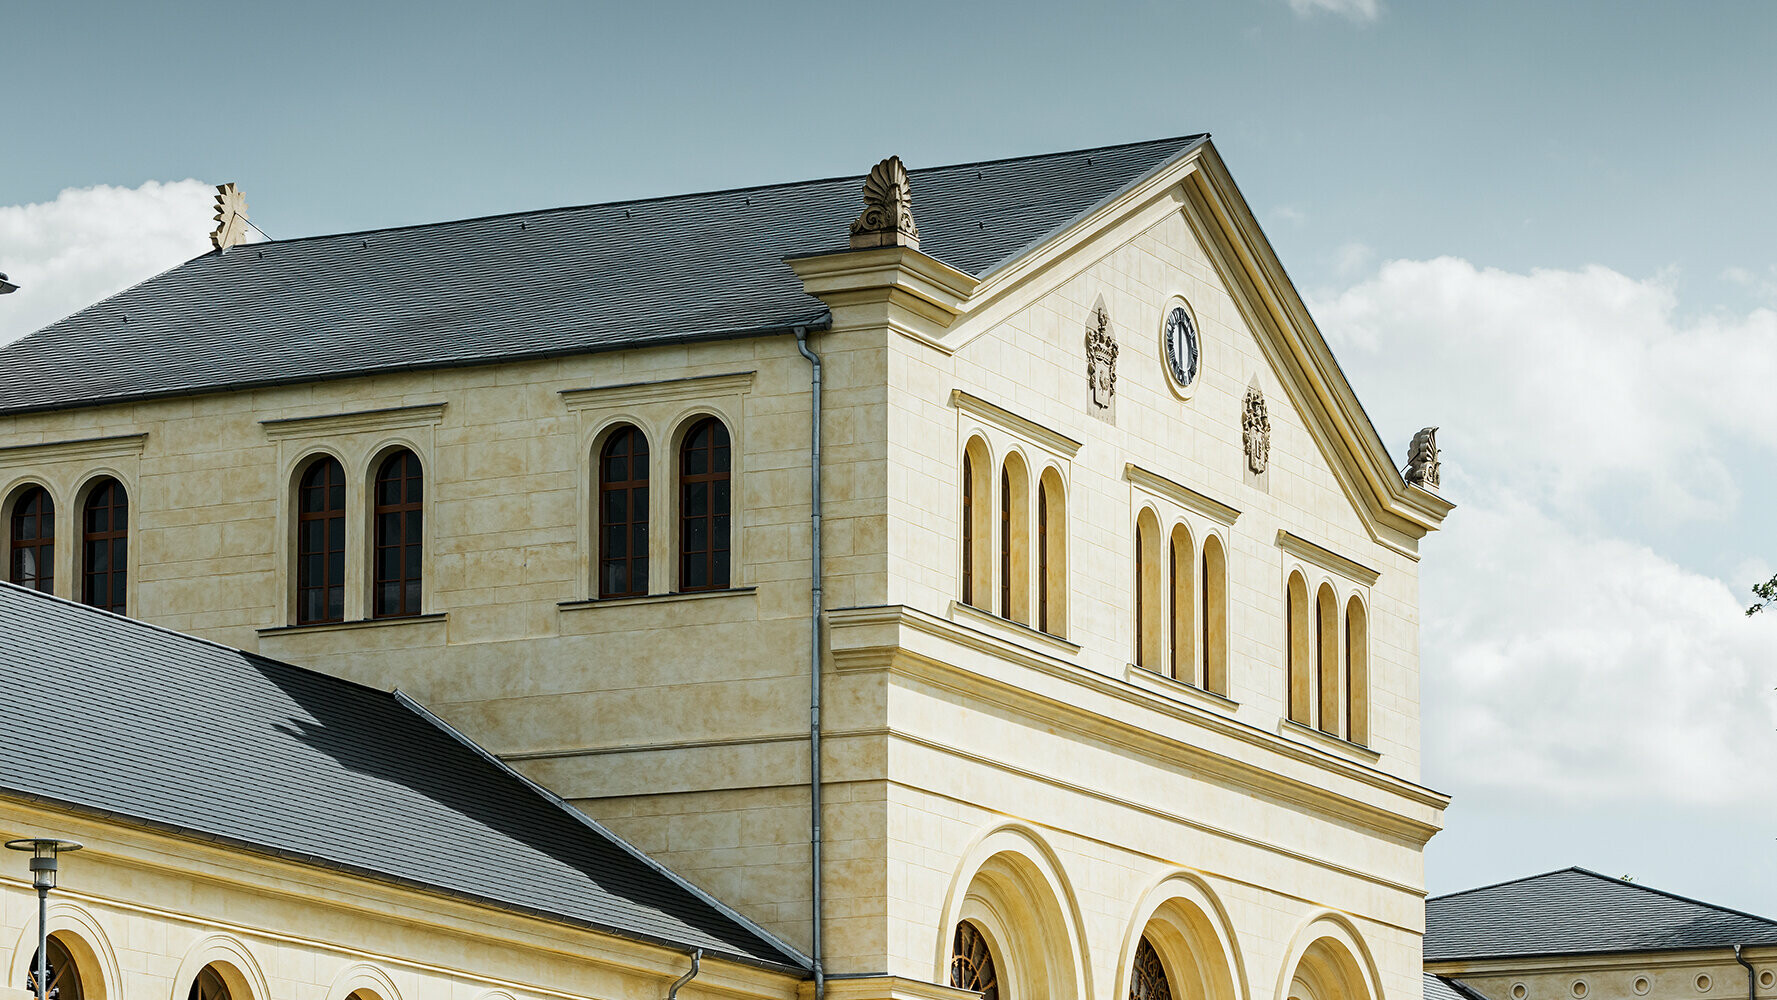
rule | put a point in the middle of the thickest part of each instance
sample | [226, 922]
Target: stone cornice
[660, 391]
[117, 446]
[895, 287]
[1327, 559]
[1010, 422]
[1181, 494]
[360, 421]
[1624, 961]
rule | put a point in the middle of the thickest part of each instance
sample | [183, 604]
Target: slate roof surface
[150, 726]
[1445, 988]
[1575, 911]
[534, 284]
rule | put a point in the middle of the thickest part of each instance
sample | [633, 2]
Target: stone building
[1114, 606]
[1578, 935]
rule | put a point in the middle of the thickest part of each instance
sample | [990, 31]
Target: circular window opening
[1641, 986]
[1519, 991]
[1580, 988]
[971, 964]
[1702, 984]
[1765, 979]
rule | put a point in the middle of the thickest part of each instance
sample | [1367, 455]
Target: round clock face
[1181, 346]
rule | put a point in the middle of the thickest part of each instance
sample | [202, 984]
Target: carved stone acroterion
[887, 219]
[1422, 460]
[1255, 427]
[1101, 357]
[231, 217]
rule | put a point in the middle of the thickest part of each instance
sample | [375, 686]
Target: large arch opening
[1181, 932]
[1009, 903]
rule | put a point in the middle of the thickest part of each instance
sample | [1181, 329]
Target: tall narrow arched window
[1149, 596]
[971, 963]
[704, 507]
[977, 526]
[33, 541]
[1052, 554]
[1326, 655]
[400, 533]
[1357, 682]
[321, 543]
[1298, 648]
[1015, 540]
[1214, 590]
[623, 514]
[1181, 636]
[104, 546]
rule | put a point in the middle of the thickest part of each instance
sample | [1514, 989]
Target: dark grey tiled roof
[1444, 988]
[535, 284]
[154, 727]
[1575, 911]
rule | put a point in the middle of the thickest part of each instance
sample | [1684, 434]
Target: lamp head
[43, 857]
[6, 286]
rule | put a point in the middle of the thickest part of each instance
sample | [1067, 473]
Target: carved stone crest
[887, 219]
[1255, 426]
[1422, 460]
[231, 217]
[1101, 357]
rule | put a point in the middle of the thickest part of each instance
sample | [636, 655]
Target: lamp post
[43, 877]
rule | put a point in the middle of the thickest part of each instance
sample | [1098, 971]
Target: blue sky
[1546, 227]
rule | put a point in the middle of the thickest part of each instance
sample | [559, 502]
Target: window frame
[683, 521]
[405, 510]
[299, 517]
[19, 495]
[642, 514]
[116, 540]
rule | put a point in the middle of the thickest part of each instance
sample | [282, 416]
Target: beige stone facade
[1033, 782]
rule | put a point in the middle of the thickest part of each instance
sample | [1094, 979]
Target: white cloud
[89, 243]
[1357, 10]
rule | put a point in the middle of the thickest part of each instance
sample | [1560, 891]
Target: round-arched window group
[397, 538]
[102, 567]
[1181, 604]
[1014, 540]
[704, 499]
[1327, 650]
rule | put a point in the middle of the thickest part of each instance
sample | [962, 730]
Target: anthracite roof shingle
[1575, 911]
[533, 284]
[116, 717]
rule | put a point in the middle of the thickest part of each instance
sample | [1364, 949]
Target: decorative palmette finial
[1422, 460]
[231, 217]
[887, 219]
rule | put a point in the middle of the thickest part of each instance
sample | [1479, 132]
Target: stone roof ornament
[231, 218]
[1422, 460]
[887, 219]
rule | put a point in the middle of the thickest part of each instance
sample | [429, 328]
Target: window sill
[352, 625]
[1006, 628]
[688, 595]
[1177, 690]
[1291, 729]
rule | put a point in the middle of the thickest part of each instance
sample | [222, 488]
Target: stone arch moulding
[86, 940]
[237, 966]
[1010, 877]
[363, 976]
[1185, 921]
[1332, 943]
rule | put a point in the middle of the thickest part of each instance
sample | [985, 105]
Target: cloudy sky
[1547, 228]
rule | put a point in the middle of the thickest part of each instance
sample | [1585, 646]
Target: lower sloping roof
[109, 715]
[1576, 911]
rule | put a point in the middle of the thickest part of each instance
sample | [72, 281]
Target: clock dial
[1181, 346]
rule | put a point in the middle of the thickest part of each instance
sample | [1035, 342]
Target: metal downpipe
[1751, 982]
[814, 659]
[690, 974]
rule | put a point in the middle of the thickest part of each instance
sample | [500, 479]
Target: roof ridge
[659, 199]
[1676, 896]
[1511, 881]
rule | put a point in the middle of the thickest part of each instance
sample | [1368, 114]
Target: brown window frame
[1005, 542]
[333, 518]
[42, 545]
[717, 518]
[107, 503]
[400, 527]
[968, 529]
[633, 529]
[1042, 557]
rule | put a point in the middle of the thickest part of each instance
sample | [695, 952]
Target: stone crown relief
[1101, 357]
[887, 219]
[1255, 426]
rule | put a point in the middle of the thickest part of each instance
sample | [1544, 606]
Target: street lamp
[6, 286]
[43, 876]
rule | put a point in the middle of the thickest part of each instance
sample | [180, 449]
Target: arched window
[704, 507]
[1147, 980]
[977, 528]
[1015, 541]
[400, 533]
[209, 985]
[1214, 590]
[321, 543]
[104, 546]
[1181, 636]
[1052, 555]
[33, 541]
[1357, 682]
[971, 964]
[1326, 643]
[1298, 648]
[63, 974]
[1148, 596]
[623, 514]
